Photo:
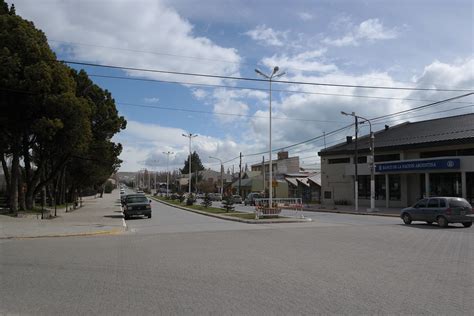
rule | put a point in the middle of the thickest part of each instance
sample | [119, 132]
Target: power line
[258, 89]
[256, 79]
[423, 106]
[426, 114]
[221, 113]
[188, 57]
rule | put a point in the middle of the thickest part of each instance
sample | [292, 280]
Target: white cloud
[306, 61]
[152, 100]
[368, 30]
[372, 29]
[266, 35]
[199, 93]
[149, 33]
[144, 144]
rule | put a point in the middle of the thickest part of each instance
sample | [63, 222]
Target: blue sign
[409, 165]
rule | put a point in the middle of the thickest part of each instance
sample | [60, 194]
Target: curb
[94, 233]
[235, 219]
[351, 213]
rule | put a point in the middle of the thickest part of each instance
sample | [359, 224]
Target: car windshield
[137, 199]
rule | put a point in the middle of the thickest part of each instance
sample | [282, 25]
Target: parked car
[443, 210]
[215, 196]
[136, 205]
[250, 199]
[237, 199]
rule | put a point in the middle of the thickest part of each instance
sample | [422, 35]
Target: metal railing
[262, 207]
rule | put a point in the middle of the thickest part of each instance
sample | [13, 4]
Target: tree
[206, 202]
[55, 125]
[196, 164]
[32, 86]
[228, 203]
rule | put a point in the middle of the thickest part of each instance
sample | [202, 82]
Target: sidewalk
[349, 209]
[97, 216]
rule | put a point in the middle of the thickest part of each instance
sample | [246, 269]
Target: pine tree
[228, 203]
[206, 202]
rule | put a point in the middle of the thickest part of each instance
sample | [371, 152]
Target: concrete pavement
[289, 269]
[97, 216]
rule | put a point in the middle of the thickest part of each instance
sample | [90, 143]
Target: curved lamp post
[270, 77]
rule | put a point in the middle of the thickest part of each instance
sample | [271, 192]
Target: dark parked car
[250, 199]
[443, 210]
[136, 205]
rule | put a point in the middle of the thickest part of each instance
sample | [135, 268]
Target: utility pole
[356, 161]
[263, 172]
[190, 136]
[167, 171]
[240, 174]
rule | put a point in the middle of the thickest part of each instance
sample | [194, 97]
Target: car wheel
[406, 218]
[126, 217]
[442, 222]
[429, 223]
[149, 216]
[467, 224]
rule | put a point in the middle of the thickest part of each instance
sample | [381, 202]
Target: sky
[406, 43]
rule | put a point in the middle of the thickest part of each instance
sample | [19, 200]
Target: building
[281, 166]
[289, 180]
[306, 186]
[412, 161]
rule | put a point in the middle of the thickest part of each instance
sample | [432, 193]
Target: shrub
[190, 200]
[228, 203]
[206, 202]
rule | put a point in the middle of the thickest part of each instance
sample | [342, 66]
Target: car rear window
[458, 202]
[137, 199]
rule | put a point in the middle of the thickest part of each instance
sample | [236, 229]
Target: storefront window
[394, 185]
[445, 184]
[380, 189]
[364, 187]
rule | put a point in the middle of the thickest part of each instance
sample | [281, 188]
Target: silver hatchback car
[443, 210]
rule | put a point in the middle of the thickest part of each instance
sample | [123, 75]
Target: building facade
[412, 161]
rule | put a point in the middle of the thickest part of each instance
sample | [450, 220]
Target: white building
[412, 160]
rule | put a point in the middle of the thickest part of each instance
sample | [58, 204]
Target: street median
[242, 217]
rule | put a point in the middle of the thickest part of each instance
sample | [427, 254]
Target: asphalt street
[184, 263]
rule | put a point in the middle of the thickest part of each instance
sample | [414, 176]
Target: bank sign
[413, 165]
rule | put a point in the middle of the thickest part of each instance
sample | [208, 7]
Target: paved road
[183, 263]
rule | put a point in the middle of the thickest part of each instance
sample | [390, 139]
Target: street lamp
[190, 136]
[372, 162]
[222, 176]
[155, 164]
[274, 74]
[167, 171]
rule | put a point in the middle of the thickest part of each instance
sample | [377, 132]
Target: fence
[263, 209]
